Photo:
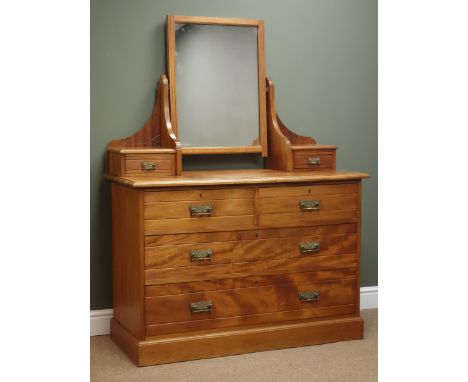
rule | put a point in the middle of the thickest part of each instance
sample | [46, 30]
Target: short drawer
[150, 164]
[198, 210]
[308, 205]
[314, 160]
[301, 296]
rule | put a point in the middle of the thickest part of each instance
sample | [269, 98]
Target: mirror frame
[171, 68]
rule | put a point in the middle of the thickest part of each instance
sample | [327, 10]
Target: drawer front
[155, 276]
[203, 254]
[198, 210]
[150, 164]
[301, 294]
[308, 205]
[314, 160]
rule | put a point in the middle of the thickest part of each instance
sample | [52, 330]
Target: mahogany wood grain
[173, 210]
[177, 19]
[115, 164]
[195, 238]
[171, 68]
[291, 203]
[279, 146]
[125, 340]
[156, 276]
[247, 250]
[248, 281]
[309, 189]
[243, 339]
[294, 138]
[265, 177]
[215, 323]
[128, 259]
[307, 147]
[262, 89]
[168, 134]
[198, 224]
[198, 195]
[298, 219]
[248, 301]
[358, 250]
[165, 164]
[327, 160]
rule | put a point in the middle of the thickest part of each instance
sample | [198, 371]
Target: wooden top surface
[235, 177]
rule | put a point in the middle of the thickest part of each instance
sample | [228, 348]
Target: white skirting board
[100, 319]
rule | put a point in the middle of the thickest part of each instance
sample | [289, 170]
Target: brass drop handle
[200, 210]
[200, 254]
[309, 205]
[313, 246]
[201, 306]
[148, 166]
[309, 296]
[314, 161]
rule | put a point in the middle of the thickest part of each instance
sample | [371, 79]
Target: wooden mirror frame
[171, 68]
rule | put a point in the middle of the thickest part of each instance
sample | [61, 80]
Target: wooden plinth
[183, 347]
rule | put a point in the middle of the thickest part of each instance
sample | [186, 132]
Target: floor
[354, 361]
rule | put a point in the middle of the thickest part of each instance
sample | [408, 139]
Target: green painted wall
[321, 54]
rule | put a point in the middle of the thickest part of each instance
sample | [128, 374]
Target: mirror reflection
[217, 85]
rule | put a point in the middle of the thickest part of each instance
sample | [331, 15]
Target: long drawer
[308, 205]
[192, 257]
[202, 254]
[249, 300]
[198, 210]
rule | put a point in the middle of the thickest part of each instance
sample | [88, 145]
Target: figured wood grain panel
[156, 276]
[248, 281]
[179, 255]
[200, 194]
[188, 326]
[173, 210]
[248, 301]
[247, 250]
[196, 238]
[165, 226]
[295, 264]
[294, 219]
[325, 189]
[128, 259]
[291, 203]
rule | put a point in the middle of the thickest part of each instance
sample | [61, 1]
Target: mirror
[217, 97]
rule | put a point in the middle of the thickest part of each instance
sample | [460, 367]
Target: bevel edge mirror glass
[212, 107]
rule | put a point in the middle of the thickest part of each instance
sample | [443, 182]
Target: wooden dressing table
[212, 263]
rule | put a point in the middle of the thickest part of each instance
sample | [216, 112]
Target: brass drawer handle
[309, 205]
[309, 296]
[201, 210]
[201, 254]
[148, 165]
[314, 161]
[201, 306]
[313, 246]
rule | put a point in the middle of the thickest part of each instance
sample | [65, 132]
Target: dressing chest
[219, 262]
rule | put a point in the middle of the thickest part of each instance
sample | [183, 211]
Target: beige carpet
[353, 361]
